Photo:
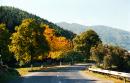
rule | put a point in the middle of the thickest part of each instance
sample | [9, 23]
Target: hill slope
[109, 35]
[13, 16]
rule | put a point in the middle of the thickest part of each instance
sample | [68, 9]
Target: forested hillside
[13, 16]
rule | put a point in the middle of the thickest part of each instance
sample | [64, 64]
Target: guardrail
[121, 74]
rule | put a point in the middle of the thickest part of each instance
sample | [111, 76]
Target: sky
[113, 13]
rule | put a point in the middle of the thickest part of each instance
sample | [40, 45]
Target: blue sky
[112, 13]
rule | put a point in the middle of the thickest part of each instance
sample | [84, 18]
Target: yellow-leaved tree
[57, 44]
[28, 42]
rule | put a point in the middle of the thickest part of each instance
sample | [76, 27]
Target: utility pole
[1, 62]
[60, 63]
[124, 80]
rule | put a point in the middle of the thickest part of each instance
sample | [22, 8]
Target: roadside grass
[114, 78]
[104, 77]
[27, 70]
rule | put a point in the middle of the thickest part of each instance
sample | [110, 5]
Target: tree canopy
[28, 41]
[58, 45]
[84, 42]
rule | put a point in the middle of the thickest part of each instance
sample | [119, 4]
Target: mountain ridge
[58, 23]
[108, 34]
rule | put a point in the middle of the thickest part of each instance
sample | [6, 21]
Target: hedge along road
[61, 74]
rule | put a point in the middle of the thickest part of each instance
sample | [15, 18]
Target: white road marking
[59, 81]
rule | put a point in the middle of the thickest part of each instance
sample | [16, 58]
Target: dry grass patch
[104, 77]
[25, 71]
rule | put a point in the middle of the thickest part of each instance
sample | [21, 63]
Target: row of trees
[37, 41]
[32, 41]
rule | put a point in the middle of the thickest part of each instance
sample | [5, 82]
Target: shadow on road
[74, 68]
[51, 79]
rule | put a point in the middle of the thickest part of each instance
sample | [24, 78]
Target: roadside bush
[7, 74]
[73, 56]
[107, 62]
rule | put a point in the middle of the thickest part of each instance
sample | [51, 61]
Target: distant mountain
[13, 17]
[108, 35]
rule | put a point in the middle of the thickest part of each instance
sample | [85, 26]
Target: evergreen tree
[4, 41]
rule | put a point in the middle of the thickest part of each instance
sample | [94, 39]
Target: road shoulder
[99, 80]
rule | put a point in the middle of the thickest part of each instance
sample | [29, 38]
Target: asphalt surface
[67, 74]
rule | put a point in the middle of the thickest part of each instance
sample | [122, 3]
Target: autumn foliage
[58, 45]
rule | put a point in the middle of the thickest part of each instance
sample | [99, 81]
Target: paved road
[68, 74]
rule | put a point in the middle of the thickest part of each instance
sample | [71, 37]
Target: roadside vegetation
[111, 57]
